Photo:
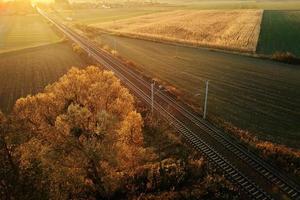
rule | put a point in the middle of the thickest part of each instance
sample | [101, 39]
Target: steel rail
[200, 145]
[266, 170]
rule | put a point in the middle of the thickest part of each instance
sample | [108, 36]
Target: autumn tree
[83, 132]
[7, 167]
[14, 182]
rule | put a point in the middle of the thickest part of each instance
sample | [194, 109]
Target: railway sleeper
[294, 194]
[259, 196]
[286, 188]
[242, 180]
[291, 190]
[272, 177]
[252, 189]
[255, 192]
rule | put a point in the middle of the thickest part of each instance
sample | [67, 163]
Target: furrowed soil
[19, 32]
[259, 95]
[28, 71]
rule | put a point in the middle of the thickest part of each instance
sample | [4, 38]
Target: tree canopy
[82, 138]
[83, 131]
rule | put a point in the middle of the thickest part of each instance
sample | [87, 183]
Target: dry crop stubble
[226, 29]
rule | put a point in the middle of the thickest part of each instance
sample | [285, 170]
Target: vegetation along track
[253, 175]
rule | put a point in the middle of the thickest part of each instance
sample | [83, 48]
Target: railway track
[252, 174]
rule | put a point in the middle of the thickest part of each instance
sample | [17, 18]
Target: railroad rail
[247, 170]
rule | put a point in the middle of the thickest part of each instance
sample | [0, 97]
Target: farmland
[28, 71]
[17, 32]
[280, 32]
[237, 4]
[89, 16]
[230, 29]
[258, 95]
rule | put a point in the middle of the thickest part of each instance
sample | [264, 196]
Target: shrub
[114, 52]
[77, 49]
[286, 57]
[106, 48]
[281, 156]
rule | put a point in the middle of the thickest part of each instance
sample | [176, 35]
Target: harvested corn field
[230, 29]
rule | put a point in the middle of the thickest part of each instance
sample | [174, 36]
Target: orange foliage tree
[84, 132]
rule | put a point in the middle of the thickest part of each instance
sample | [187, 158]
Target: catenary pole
[205, 101]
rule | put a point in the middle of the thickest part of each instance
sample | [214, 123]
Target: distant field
[29, 71]
[89, 16]
[280, 32]
[237, 4]
[230, 29]
[259, 95]
[17, 32]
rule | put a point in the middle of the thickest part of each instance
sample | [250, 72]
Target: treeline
[85, 137]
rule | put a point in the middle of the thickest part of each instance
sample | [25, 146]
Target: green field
[259, 95]
[90, 16]
[17, 32]
[280, 32]
[28, 71]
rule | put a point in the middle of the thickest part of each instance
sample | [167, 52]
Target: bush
[106, 48]
[114, 52]
[281, 156]
[77, 49]
[286, 57]
[169, 175]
